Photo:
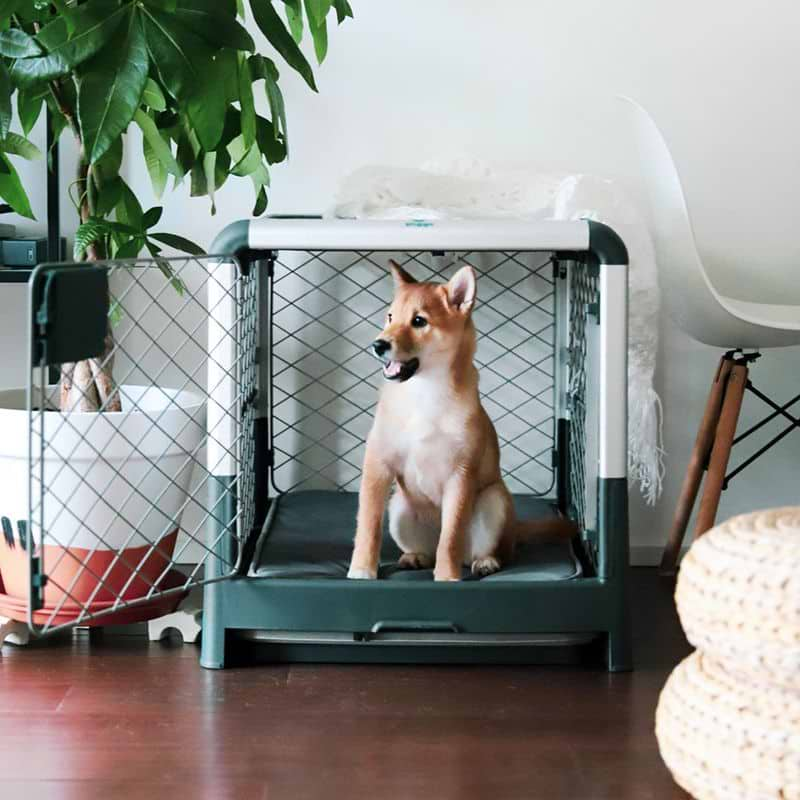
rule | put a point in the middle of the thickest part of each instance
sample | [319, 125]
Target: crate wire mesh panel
[581, 397]
[118, 501]
[325, 310]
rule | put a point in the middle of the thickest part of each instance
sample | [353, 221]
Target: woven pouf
[726, 737]
[738, 595]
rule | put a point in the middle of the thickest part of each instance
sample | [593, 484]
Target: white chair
[742, 327]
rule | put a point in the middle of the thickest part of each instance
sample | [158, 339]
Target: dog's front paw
[481, 567]
[362, 573]
[446, 575]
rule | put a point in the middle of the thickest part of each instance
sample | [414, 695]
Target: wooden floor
[118, 718]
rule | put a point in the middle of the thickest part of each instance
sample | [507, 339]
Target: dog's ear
[401, 277]
[461, 289]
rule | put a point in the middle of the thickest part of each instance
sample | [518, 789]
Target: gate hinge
[272, 257]
[38, 582]
[594, 310]
[249, 400]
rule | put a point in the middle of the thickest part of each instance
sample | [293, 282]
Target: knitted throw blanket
[472, 189]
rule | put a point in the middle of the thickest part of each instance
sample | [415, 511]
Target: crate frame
[307, 618]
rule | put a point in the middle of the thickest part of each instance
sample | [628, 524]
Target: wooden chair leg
[697, 463]
[721, 450]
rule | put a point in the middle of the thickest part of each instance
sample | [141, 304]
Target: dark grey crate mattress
[311, 536]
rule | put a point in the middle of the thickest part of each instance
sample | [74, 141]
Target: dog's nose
[380, 346]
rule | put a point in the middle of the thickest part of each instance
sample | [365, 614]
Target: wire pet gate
[120, 503]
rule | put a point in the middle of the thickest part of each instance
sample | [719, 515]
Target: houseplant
[184, 72]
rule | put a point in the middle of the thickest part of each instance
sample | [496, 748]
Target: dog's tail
[544, 530]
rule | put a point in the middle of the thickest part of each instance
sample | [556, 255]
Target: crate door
[116, 515]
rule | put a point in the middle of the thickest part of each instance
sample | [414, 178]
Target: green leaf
[8, 7]
[11, 190]
[111, 87]
[177, 53]
[209, 168]
[153, 97]
[319, 33]
[219, 30]
[206, 107]
[261, 202]
[294, 16]
[29, 106]
[17, 145]
[152, 216]
[246, 103]
[199, 186]
[15, 43]
[228, 61]
[343, 10]
[129, 212]
[108, 195]
[269, 142]
[130, 249]
[5, 100]
[160, 147]
[89, 232]
[246, 160]
[317, 10]
[107, 168]
[179, 243]
[156, 170]
[166, 269]
[93, 24]
[273, 28]
[185, 154]
[264, 68]
[222, 167]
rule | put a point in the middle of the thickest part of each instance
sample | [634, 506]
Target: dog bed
[310, 535]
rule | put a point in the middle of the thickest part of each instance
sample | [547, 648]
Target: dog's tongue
[392, 368]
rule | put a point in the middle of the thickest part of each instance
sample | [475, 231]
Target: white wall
[532, 81]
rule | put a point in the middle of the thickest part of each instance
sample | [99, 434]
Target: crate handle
[414, 626]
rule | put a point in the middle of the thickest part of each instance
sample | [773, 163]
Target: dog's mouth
[400, 370]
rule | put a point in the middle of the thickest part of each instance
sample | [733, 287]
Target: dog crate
[260, 351]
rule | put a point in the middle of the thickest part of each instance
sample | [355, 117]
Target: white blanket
[473, 189]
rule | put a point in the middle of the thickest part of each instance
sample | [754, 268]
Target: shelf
[8, 275]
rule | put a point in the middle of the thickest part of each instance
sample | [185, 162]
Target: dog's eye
[419, 322]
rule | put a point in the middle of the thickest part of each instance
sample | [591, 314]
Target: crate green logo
[419, 223]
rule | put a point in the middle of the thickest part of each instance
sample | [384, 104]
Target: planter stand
[186, 620]
[13, 632]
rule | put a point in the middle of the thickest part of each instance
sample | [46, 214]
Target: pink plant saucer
[17, 609]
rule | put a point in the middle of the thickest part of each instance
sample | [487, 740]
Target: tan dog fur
[433, 440]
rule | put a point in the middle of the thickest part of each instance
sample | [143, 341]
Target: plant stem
[87, 385]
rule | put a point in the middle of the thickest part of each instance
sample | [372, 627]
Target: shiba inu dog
[432, 439]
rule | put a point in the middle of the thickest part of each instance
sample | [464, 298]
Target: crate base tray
[309, 535]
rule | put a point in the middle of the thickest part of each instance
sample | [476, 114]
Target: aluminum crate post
[222, 432]
[609, 252]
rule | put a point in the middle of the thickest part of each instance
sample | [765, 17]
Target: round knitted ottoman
[728, 719]
[728, 738]
[738, 594]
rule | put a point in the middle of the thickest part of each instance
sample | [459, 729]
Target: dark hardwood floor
[119, 718]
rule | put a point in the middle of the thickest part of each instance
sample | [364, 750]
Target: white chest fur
[425, 432]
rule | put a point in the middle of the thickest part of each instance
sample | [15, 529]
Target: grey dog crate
[262, 347]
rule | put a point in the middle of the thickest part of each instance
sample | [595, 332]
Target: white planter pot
[113, 483]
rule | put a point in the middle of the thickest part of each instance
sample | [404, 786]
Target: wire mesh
[584, 300]
[327, 307]
[118, 501]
